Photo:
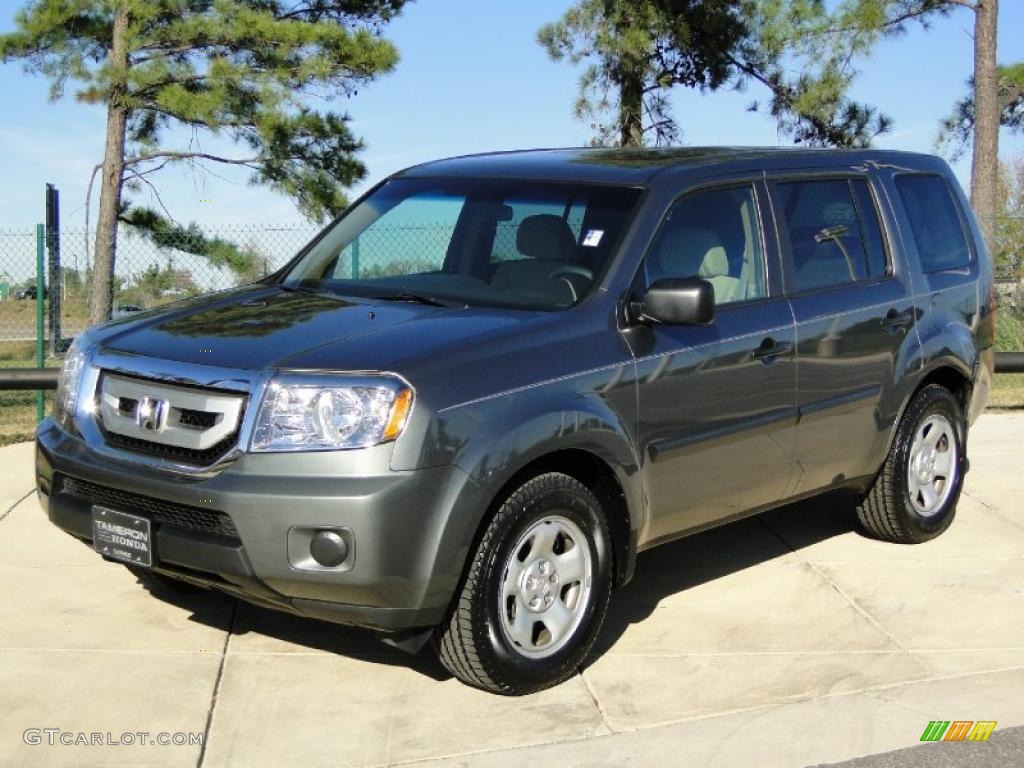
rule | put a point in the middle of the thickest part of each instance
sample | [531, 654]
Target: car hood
[268, 327]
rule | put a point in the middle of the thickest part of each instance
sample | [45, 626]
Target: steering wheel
[572, 269]
[563, 273]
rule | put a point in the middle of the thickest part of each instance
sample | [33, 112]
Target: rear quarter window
[935, 222]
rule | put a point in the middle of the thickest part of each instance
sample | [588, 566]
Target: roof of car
[639, 165]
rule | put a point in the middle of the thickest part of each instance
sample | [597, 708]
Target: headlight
[66, 399]
[342, 413]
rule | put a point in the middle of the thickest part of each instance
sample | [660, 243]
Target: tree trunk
[631, 105]
[985, 161]
[112, 174]
[629, 76]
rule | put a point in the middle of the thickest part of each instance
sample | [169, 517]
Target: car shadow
[663, 571]
[258, 629]
[704, 557]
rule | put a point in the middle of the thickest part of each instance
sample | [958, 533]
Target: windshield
[486, 242]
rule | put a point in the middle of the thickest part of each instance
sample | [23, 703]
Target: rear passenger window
[935, 222]
[834, 232]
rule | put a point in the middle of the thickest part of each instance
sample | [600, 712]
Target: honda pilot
[463, 409]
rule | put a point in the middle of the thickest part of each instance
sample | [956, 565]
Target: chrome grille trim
[249, 384]
[173, 423]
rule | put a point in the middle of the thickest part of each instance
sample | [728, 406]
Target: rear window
[934, 222]
[834, 233]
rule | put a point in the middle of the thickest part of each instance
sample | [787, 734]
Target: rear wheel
[536, 590]
[914, 497]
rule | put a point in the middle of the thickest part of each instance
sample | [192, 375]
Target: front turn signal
[399, 414]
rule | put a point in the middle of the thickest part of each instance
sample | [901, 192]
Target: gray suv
[463, 409]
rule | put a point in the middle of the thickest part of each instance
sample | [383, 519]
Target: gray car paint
[693, 432]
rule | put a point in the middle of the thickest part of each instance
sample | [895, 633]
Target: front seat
[695, 252]
[547, 242]
[715, 269]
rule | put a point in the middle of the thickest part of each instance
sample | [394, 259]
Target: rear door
[717, 403]
[854, 312]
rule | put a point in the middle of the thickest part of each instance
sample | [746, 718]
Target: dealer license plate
[121, 536]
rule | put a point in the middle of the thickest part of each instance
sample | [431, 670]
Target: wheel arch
[949, 373]
[596, 473]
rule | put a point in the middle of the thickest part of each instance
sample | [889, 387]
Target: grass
[1009, 330]
[18, 420]
[1007, 391]
[18, 409]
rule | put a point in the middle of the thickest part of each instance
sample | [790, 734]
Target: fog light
[328, 549]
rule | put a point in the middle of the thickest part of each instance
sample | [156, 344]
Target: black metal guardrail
[29, 378]
[46, 378]
[1010, 362]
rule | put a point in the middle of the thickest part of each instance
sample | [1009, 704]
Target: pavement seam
[870, 691]
[216, 686]
[15, 504]
[849, 599]
[597, 701]
[994, 510]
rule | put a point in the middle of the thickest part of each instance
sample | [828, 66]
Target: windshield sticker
[593, 238]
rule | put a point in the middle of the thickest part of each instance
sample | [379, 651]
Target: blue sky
[471, 78]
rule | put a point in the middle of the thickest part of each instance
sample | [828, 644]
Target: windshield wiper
[417, 298]
[298, 289]
[310, 291]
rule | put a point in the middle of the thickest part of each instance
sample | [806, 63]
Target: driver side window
[714, 235]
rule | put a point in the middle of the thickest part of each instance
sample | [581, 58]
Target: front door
[717, 403]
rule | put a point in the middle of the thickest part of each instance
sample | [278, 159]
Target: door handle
[895, 320]
[770, 349]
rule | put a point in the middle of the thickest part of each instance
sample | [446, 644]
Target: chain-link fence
[149, 272]
[154, 271]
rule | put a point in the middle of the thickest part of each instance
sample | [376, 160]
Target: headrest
[546, 236]
[715, 264]
[683, 251]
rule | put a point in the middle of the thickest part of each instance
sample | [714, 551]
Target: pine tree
[958, 128]
[241, 70]
[855, 25]
[635, 51]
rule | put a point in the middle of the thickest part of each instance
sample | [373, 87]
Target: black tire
[472, 645]
[886, 511]
[157, 582]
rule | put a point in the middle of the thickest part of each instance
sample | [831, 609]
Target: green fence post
[355, 259]
[40, 324]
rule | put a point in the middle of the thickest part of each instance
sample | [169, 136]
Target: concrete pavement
[1004, 748]
[783, 640]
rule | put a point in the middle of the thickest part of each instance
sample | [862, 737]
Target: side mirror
[677, 301]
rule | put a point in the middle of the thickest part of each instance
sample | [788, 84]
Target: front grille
[186, 455]
[186, 424]
[164, 512]
[198, 419]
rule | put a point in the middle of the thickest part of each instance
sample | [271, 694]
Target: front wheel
[536, 590]
[914, 497]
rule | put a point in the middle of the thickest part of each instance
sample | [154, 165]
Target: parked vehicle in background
[586, 354]
[31, 293]
[125, 310]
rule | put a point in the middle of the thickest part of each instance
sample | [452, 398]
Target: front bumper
[231, 531]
